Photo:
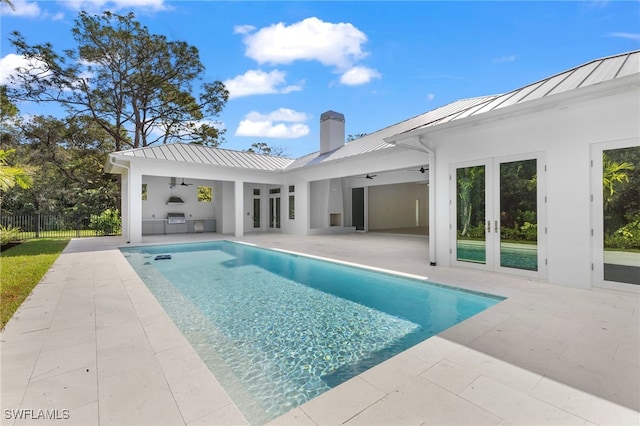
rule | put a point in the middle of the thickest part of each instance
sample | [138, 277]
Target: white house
[444, 173]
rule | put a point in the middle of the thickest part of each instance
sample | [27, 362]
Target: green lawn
[21, 268]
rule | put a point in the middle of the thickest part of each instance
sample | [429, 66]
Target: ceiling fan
[185, 184]
[368, 176]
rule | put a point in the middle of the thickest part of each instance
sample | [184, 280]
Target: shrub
[106, 223]
[8, 234]
[625, 237]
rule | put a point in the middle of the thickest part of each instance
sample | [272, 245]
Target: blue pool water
[278, 329]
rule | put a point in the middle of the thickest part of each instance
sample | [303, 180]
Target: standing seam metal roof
[198, 154]
[591, 73]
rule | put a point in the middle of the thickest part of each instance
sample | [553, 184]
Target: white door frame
[492, 214]
[597, 216]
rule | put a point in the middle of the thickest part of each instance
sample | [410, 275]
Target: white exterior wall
[159, 191]
[564, 133]
[319, 204]
[227, 223]
[393, 206]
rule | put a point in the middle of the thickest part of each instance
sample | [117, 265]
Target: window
[292, 207]
[205, 194]
[292, 188]
[256, 192]
[144, 192]
[274, 191]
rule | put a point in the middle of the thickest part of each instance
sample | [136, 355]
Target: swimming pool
[279, 329]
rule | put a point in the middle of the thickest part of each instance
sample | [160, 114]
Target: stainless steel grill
[176, 218]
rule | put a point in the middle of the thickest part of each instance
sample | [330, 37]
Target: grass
[21, 268]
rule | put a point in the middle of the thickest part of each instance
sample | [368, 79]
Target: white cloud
[258, 82]
[21, 8]
[243, 29]
[281, 114]
[430, 97]
[8, 66]
[507, 58]
[359, 75]
[338, 45]
[114, 5]
[273, 124]
[629, 36]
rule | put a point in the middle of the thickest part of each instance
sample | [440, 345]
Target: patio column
[135, 207]
[432, 208]
[239, 208]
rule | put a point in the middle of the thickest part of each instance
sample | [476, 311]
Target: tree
[355, 136]
[9, 115]
[614, 173]
[264, 148]
[10, 176]
[8, 2]
[69, 156]
[136, 86]
[470, 185]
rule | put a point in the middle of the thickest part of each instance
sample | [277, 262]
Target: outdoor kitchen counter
[161, 226]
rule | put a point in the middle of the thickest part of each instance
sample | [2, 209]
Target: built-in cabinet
[160, 226]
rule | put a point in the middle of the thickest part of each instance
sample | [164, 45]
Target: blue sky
[378, 63]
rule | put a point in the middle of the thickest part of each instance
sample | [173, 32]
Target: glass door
[497, 215]
[471, 218]
[274, 212]
[616, 215]
[256, 213]
[516, 226]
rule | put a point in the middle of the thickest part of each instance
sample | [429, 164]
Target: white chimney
[331, 131]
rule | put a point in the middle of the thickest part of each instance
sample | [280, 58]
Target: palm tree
[613, 173]
[11, 176]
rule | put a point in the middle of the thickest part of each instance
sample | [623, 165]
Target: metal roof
[199, 154]
[591, 73]
[375, 141]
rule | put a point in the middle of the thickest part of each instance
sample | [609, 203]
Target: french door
[274, 212]
[256, 212]
[498, 215]
[614, 213]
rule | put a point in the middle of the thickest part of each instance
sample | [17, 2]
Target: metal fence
[59, 226]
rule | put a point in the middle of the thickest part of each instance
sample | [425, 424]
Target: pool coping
[93, 329]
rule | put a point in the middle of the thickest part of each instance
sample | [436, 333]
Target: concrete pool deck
[91, 346]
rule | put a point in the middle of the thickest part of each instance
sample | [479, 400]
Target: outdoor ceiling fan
[368, 176]
[185, 184]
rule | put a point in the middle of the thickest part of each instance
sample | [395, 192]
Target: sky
[378, 63]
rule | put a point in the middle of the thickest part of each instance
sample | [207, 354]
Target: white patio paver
[93, 341]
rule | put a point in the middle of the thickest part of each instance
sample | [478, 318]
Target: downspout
[113, 162]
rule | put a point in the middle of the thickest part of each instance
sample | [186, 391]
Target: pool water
[278, 329]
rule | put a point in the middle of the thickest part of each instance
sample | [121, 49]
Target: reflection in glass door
[274, 212]
[621, 215]
[256, 213]
[470, 214]
[518, 220]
